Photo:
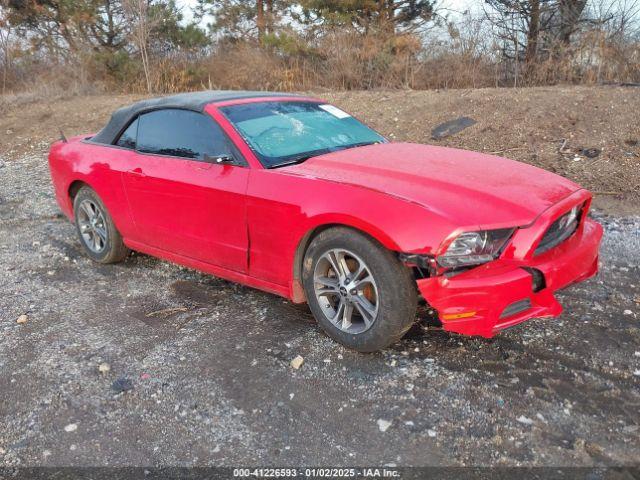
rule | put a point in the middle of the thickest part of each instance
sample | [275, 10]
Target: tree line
[147, 45]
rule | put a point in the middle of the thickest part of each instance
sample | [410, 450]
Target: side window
[181, 133]
[128, 137]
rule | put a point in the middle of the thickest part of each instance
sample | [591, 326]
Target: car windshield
[284, 133]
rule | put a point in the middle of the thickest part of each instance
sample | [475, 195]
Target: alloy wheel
[92, 226]
[346, 290]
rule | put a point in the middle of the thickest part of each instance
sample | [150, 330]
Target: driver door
[180, 199]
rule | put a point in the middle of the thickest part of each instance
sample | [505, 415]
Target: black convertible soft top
[195, 101]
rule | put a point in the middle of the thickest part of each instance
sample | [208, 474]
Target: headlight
[474, 248]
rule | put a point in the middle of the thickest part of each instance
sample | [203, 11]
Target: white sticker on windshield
[335, 111]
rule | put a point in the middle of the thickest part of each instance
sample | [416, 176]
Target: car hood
[468, 188]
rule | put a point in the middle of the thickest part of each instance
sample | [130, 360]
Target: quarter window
[128, 138]
[181, 133]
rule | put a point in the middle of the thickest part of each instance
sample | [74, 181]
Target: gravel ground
[199, 368]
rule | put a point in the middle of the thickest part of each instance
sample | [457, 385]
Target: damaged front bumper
[486, 299]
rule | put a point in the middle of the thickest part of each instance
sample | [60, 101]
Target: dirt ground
[199, 370]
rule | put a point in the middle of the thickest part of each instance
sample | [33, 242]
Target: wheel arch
[297, 290]
[74, 188]
[66, 200]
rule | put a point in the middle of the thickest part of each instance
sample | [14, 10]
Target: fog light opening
[538, 281]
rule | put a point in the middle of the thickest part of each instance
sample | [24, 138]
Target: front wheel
[358, 291]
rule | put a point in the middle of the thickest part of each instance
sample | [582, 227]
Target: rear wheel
[98, 234]
[358, 291]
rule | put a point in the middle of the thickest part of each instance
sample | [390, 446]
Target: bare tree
[519, 23]
[533, 32]
[619, 18]
[614, 34]
[141, 24]
[5, 48]
[260, 20]
[570, 17]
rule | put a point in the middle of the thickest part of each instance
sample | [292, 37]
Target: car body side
[282, 211]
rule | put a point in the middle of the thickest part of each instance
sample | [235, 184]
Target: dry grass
[344, 61]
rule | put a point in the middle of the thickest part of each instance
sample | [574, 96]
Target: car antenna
[62, 137]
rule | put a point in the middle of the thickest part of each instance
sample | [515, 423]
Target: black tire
[112, 248]
[396, 295]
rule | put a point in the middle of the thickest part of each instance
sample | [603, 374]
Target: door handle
[137, 172]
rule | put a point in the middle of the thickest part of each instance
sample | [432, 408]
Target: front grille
[516, 307]
[560, 230]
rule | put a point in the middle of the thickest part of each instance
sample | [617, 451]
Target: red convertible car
[294, 196]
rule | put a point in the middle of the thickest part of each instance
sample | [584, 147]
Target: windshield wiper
[299, 159]
[355, 145]
[307, 156]
[292, 162]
